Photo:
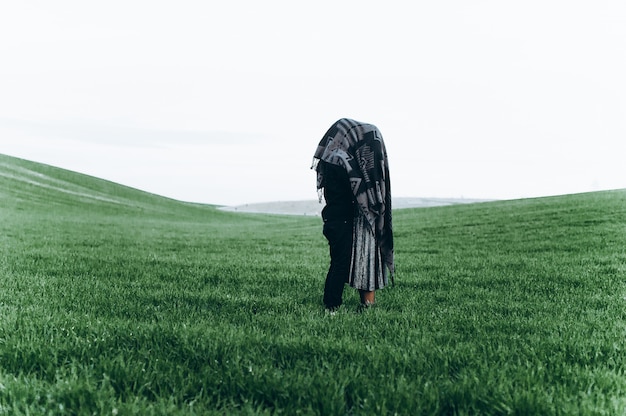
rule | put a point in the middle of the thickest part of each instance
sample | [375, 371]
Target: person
[353, 177]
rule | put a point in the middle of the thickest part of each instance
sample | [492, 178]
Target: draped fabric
[368, 270]
[360, 150]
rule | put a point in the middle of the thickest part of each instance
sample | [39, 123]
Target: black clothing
[337, 193]
[338, 215]
[339, 235]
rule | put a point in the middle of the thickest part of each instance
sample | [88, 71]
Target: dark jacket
[340, 204]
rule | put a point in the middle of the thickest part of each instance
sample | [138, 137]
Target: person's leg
[339, 235]
[367, 297]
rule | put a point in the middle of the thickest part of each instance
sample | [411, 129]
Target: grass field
[115, 302]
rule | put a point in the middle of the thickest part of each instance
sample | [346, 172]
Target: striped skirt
[368, 270]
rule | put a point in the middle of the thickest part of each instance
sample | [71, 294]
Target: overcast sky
[224, 102]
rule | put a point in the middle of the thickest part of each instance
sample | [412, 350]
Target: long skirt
[368, 270]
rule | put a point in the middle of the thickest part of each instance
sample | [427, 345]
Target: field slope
[116, 301]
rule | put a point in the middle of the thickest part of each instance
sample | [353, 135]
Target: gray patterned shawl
[359, 148]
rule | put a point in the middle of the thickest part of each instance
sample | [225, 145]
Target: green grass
[115, 301]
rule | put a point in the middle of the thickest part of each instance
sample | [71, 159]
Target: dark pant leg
[339, 235]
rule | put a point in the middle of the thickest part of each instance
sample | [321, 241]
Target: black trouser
[339, 236]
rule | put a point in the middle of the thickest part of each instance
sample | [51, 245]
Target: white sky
[225, 101]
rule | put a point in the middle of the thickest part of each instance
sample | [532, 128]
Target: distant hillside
[314, 207]
[30, 185]
[26, 185]
[47, 186]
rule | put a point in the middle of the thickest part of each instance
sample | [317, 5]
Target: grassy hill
[116, 301]
[33, 186]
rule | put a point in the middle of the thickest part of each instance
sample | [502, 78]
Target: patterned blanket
[359, 148]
